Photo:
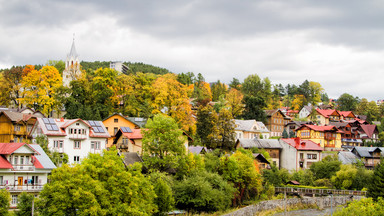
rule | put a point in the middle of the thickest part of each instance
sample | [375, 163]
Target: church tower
[72, 66]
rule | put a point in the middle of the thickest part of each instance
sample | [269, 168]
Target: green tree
[203, 192]
[206, 126]
[57, 158]
[24, 204]
[347, 102]
[253, 109]
[100, 185]
[235, 84]
[363, 207]
[343, 179]
[226, 128]
[305, 177]
[325, 168]
[5, 199]
[240, 169]
[218, 89]
[285, 134]
[162, 143]
[376, 187]
[275, 176]
[164, 197]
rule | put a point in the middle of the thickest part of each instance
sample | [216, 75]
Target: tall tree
[235, 84]
[162, 143]
[24, 204]
[218, 89]
[171, 98]
[235, 102]
[206, 126]
[5, 199]
[226, 129]
[11, 86]
[253, 109]
[40, 89]
[376, 187]
[347, 102]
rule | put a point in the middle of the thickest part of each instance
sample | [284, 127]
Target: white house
[305, 112]
[250, 129]
[75, 137]
[23, 168]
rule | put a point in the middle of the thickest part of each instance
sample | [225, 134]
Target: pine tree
[285, 134]
[376, 188]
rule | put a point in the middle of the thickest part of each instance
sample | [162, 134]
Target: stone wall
[321, 202]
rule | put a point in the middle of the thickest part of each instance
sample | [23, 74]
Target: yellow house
[323, 117]
[114, 122]
[15, 127]
[329, 137]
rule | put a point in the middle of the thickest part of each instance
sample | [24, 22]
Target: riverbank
[308, 202]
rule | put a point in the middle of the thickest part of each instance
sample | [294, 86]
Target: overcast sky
[339, 44]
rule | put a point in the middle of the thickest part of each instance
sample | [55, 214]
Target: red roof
[369, 129]
[327, 113]
[300, 144]
[321, 128]
[4, 163]
[136, 134]
[9, 148]
[347, 114]
[37, 163]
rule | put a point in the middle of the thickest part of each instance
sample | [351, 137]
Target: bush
[25, 204]
[364, 207]
[5, 198]
[323, 183]
[203, 192]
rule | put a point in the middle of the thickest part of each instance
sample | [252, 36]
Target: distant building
[118, 66]
[72, 66]
[250, 129]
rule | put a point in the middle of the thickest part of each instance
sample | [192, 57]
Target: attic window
[116, 120]
[77, 124]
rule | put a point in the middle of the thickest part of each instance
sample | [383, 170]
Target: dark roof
[366, 152]
[347, 157]
[131, 158]
[197, 149]
[260, 158]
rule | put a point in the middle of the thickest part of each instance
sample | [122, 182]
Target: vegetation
[24, 204]
[364, 207]
[5, 199]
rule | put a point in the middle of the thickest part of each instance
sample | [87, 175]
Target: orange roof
[321, 128]
[327, 113]
[136, 134]
[347, 114]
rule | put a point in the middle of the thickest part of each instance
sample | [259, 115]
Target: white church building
[72, 66]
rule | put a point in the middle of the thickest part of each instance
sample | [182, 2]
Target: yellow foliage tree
[234, 102]
[40, 88]
[171, 97]
[298, 102]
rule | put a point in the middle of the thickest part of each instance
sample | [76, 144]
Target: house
[350, 136]
[272, 146]
[368, 133]
[299, 154]
[347, 115]
[15, 126]
[197, 150]
[128, 140]
[275, 122]
[347, 157]
[329, 137]
[75, 137]
[291, 126]
[250, 129]
[323, 117]
[262, 161]
[370, 156]
[305, 111]
[114, 122]
[23, 168]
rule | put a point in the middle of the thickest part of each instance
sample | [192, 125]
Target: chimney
[303, 143]
[61, 119]
[297, 140]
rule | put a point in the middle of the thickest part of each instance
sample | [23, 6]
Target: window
[1, 180]
[77, 144]
[29, 128]
[17, 128]
[76, 159]
[77, 124]
[58, 144]
[312, 156]
[95, 145]
[16, 160]
[116, 120]
[115, 130]
[21, 159]
[26, 159]
[301, 155]
[14, 199]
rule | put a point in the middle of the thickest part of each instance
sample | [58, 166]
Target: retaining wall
[321, 202]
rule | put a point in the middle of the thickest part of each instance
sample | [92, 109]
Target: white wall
[288, 156]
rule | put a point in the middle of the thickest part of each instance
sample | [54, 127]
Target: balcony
[23, 167]
[21, 188]
[77, 136]
[329, 138]
[329, 145]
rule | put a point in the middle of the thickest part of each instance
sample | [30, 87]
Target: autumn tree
[170, 97]
[162, 143]
[218, 89]
[41, 89]
[241, 169]
[298, 102]
[11, 86]
[202, 91]
[235, 84]
[235, 104]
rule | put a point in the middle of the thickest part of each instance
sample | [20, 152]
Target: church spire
[73, 52]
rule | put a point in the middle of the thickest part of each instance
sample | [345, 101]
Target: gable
[24, 150]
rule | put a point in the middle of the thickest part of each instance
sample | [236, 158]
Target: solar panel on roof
[45, 120]
[51, 121]
[96, 129]
[101, 130]
[97, 123]
[126, 129]
[49, 127]
[91, 123]
[54, 127]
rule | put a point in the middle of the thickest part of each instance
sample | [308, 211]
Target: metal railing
[320, 191]
[20, 188]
